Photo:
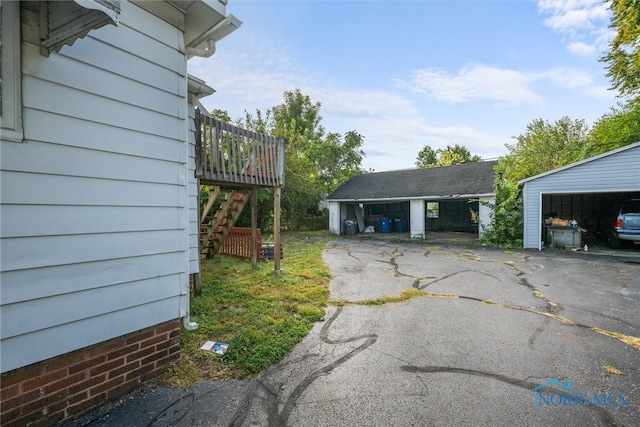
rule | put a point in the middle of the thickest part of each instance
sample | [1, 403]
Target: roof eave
[581, 162]
[406, 199]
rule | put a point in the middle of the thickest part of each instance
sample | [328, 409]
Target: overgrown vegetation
[316, 162]
[260, 314]
[506, 224]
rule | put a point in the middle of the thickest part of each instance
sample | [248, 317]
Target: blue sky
[405, 74]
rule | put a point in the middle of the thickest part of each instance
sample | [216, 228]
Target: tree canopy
[316, 163]
[619, 127]
[623, 58]
[545, 146]
[451, 155]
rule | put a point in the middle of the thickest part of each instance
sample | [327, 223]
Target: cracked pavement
[491, 326]
[482, 328]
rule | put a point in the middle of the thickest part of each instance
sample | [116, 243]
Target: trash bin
[385, 225]
[399, 225]
[561, 237]
[350, 227]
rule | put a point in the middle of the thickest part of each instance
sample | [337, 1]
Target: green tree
[623, 58]
[427, 157]
[545, 146]
[315, 164]
[221, 115]
[338, 159]
[619, 127]
[456, 155]
[451, 155]
[506, 224]
[298, 119]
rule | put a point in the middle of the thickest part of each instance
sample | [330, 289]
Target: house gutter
[211, 36]
[203, 52]
[406, 199]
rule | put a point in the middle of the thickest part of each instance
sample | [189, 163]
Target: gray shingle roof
[469, 179]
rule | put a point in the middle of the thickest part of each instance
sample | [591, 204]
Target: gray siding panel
[34, 189]
[56, 220]
[193, 198]
[618, 172]
[97, 109]
[44, 251]
[94, 210]
[53, 128]
[54, 159]
[45, 312]
[71, 73]
[45, 343]
[43, 282]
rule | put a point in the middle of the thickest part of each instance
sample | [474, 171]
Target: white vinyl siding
[94, 207]
[10, 93]
[618, 171]
[194, 196]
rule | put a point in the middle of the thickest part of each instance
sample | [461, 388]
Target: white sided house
[585, 191]
[99, 195]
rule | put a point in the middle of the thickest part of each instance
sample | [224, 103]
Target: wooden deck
[229, 155]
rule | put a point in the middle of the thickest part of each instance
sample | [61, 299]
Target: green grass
[260, 314]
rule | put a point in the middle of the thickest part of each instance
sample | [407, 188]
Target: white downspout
[188, 324]
[202, 52]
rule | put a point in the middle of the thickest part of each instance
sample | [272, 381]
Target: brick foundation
[52, 390]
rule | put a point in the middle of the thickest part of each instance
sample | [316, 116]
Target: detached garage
[448, 198]
[587, 192]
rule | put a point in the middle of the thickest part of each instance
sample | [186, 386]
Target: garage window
[433, 209]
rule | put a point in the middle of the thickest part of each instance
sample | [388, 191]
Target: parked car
[626, 225]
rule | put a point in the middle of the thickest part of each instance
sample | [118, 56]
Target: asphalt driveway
[486, 337]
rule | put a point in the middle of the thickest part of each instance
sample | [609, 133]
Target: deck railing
[229, 154]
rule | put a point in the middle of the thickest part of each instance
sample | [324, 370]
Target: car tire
[612, 241]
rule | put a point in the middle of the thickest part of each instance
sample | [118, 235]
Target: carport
[588, 192]
[448, 198]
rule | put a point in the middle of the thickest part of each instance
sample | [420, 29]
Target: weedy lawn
[260, 315]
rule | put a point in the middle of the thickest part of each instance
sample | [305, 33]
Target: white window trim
[11, 127]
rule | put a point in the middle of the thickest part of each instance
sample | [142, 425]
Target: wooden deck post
[276, 230]
[254, 226]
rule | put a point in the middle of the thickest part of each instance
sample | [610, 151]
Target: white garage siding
[95, 220]
[614, 171]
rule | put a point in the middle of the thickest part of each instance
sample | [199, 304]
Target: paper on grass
[215, 346]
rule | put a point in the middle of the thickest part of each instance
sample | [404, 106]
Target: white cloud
[256, 74]
[395, 142]
[371, 103]
[508, 87]
[581, 49]
[574, 79]
[474, 82]
[584, 24]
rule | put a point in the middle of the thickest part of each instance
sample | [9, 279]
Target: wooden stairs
[231, 204]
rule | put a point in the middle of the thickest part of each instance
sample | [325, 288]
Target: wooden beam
[213, 195]
[254, 226]
[197, 283]
[276, 229]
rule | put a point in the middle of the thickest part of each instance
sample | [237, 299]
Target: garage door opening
[594, 213]
[452, 215]
[396, 214]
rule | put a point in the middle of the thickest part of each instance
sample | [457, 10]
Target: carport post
[417, 219]
[276, 230]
